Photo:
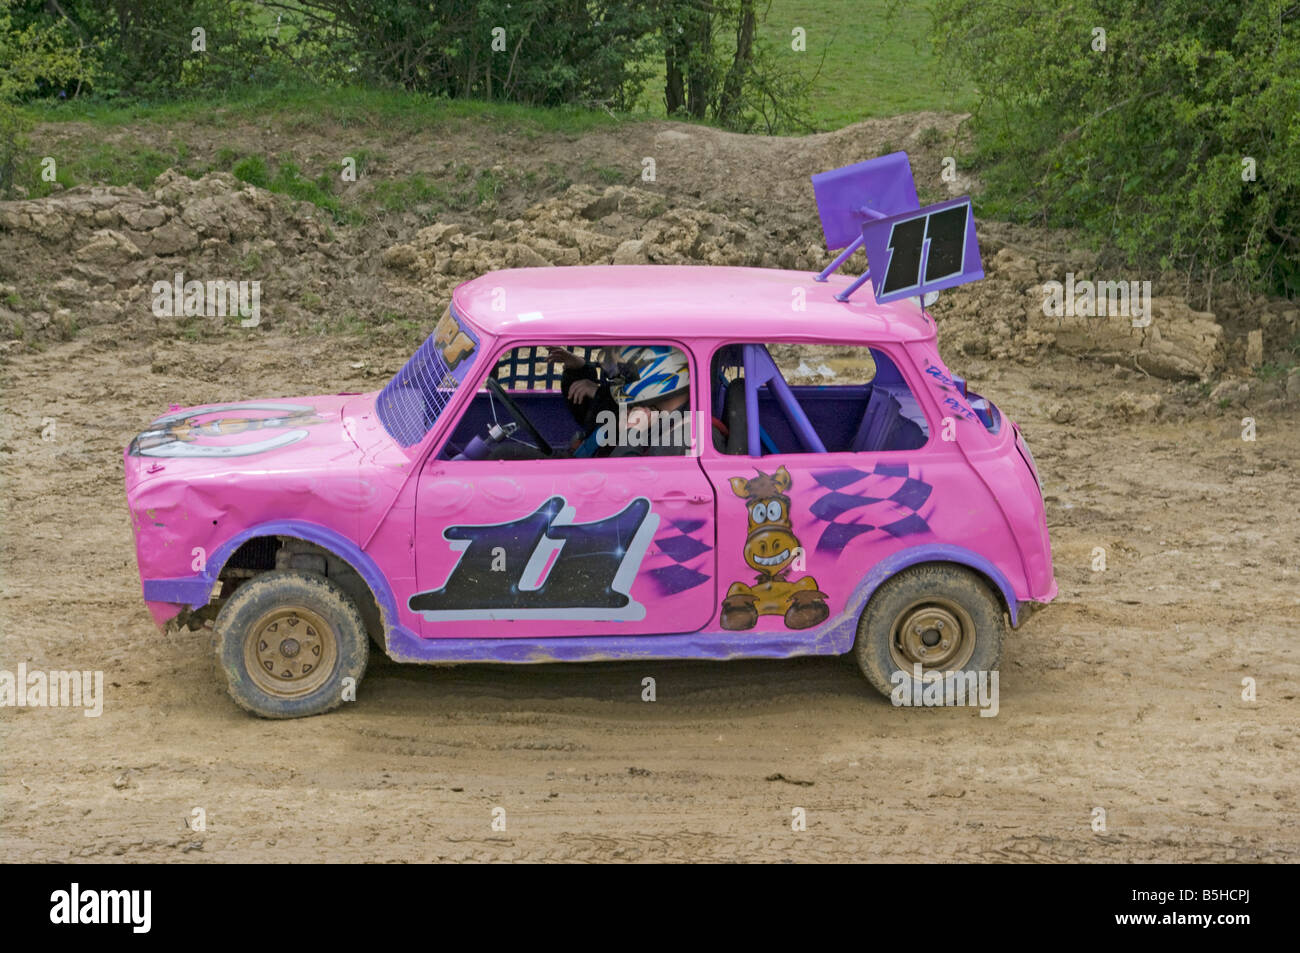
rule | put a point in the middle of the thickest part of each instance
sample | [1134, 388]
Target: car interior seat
[879, 424]
[734, 416]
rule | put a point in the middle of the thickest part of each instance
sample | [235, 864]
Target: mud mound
[86, 260]
[1003, 317]
[586, 226]
[90, 256]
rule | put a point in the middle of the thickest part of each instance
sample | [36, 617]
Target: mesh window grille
[411, 402]
[526, 368]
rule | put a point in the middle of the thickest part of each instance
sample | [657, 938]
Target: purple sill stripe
[833, 637]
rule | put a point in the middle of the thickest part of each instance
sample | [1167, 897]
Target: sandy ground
[1124, 695]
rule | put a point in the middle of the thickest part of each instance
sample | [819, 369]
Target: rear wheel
[287, 641]
[940, 616]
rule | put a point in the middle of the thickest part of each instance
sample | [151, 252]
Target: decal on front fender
[544, 566]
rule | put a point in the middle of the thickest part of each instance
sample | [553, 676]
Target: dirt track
[1125, 694]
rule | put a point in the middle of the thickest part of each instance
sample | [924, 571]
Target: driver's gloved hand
[587, 413]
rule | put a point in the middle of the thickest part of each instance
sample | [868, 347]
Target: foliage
[719, 66]
[1143, 143]
[536, 52]
[34, 57]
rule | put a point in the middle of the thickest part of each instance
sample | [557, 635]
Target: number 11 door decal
[544, 566]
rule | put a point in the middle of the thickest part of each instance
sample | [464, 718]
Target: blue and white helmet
[643, 374]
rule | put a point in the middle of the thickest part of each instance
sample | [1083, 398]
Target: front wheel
[940, 616]
[288, 642]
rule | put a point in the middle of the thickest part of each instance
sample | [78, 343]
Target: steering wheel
[495, 386]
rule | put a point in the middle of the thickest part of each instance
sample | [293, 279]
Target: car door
[563, 546]
[823, 498]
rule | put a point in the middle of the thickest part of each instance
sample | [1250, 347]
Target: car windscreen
[411, 402]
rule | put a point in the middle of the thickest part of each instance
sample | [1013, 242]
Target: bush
[1142, 143]
[32, 57]
[536, 52]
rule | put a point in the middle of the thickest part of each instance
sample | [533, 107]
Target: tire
[301, 674]
[919, 598]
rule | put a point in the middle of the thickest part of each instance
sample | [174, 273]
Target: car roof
[682, 301]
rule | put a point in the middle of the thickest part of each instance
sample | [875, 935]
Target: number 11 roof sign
[911, 251]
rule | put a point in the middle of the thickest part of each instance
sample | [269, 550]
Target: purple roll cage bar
[760, 369]
[847, 199]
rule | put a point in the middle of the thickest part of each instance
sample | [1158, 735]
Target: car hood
[283, 434]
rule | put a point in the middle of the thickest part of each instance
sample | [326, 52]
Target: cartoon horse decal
[770, 550]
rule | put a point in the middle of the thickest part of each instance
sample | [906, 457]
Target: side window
[573, 400]
[814, 398]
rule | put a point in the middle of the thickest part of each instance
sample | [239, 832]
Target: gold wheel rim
[290, 651]
[937, 634]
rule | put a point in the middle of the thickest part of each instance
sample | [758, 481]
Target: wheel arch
[940, 553]
[329, 542]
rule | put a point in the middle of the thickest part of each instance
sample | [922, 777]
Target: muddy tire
[942, 616]
[286, 641]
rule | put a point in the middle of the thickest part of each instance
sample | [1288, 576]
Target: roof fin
[873, 205]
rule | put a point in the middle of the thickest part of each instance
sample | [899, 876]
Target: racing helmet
[645, 373]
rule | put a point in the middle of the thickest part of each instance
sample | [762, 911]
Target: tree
[716, 67]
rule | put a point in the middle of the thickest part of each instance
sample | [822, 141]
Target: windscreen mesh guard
[410, 403]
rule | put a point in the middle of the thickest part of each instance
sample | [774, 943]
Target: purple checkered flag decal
[887, 498]
[669, 565]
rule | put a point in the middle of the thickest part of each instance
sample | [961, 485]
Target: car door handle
[678, 496]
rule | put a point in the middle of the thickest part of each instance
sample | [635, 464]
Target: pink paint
[201, 481]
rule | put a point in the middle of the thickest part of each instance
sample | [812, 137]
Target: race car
[789, 469]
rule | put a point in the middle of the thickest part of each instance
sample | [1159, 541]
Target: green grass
[487, 186]
[288, 180]
[100, 162]
[877, 63]
[1287, 359]
[252, 169]
[877, 59]
[394, 111]
[396, 195]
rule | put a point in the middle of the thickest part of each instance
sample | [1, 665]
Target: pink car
[463, 514]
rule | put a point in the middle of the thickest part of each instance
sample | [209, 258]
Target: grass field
[871, 58]
[877, 60]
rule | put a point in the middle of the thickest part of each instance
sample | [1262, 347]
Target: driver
[643, 379]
